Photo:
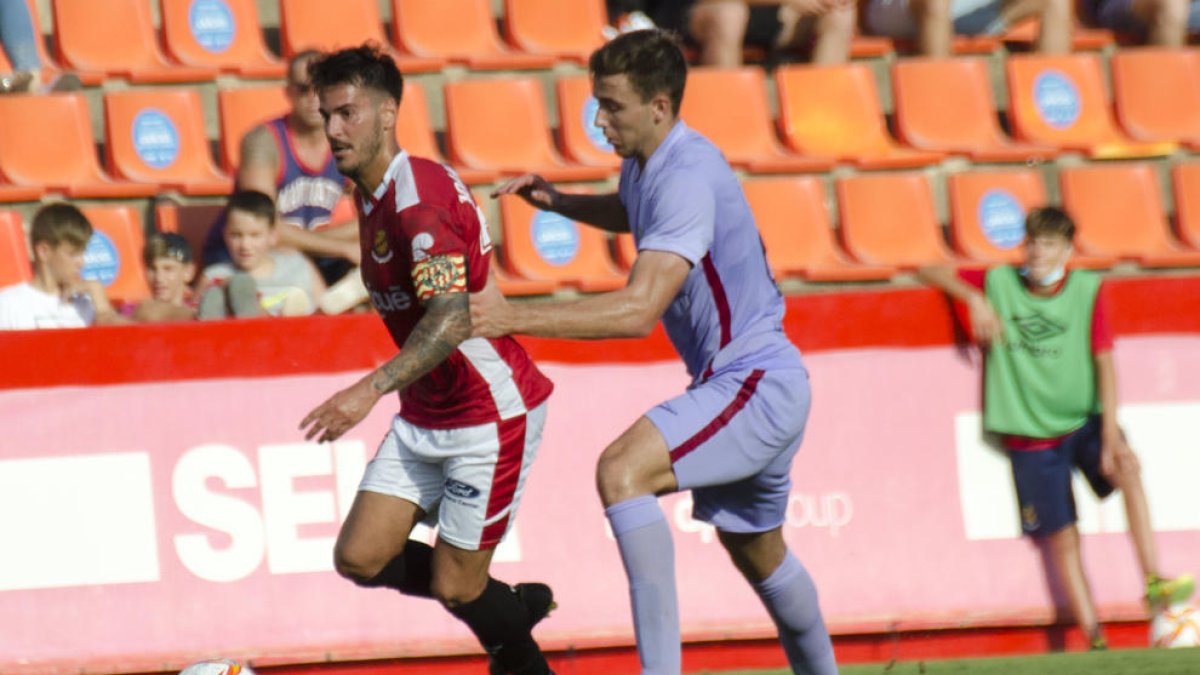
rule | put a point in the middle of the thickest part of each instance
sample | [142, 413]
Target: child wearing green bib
[1050, 393]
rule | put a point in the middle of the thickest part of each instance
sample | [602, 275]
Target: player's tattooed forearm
[446, 323]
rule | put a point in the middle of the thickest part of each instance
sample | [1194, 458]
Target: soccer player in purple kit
[731, 436]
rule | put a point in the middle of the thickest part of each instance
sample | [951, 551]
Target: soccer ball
[217, 667]
[1176, 626]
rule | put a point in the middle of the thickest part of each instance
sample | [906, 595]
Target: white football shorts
[467, 480]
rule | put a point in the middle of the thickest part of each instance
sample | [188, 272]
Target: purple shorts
[732, 440]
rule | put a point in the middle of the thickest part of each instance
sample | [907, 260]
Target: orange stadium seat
[1061, 101]
[501, 125]
[834, 112]
[223, 34]
[1157, 93]
[46, 142]
[420, 27]
[242, 109]
[414, 133]
[116, 38]
[889, 219]
[743, 132]
[1118, 211]
[324, 25]
[987, 212]
[987, 215]
[946, 105]
[505, 280]
[157, 136]
[545, 246]
[50, 68]
[578, 136]
[566, 30]
[797, 233]
[18, 193]
[114, 255]
[14, 252]
[1185, 180]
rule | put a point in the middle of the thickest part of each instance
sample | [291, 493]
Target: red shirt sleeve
[1102, 338]
[975, 277]
[437, 253]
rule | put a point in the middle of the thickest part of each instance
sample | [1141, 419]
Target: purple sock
[649, 556]
[791, 598]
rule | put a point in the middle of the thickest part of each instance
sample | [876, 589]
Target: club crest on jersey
[421, 245]
[380, 250]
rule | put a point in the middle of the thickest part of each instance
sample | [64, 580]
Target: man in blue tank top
[288, 159]
[701, 268]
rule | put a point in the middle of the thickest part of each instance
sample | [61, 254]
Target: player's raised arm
[603, 211]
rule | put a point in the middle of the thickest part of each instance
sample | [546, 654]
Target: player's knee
[616, 478]
[355, 566]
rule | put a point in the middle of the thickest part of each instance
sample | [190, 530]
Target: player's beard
[368, 150]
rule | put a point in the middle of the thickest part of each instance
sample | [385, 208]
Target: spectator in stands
[19, 42]
[933, 23]
[288, 159]
[258, 281]
[1050, 392]
[57, 297]
[169, 269]
[1158, 22]
[721, 28]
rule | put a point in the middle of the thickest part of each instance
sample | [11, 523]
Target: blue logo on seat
[1056, 98]
[555, 237]
[1001, 218]
[212, 24]
[594, 133]
[100, 259]
[155, 139]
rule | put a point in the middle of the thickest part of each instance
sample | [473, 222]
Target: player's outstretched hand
[533, 189]
[328, 421]
[489, 309]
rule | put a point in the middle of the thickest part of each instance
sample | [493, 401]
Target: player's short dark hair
[652, 59]
[257, 204]
[1049, 220]
[366, 66]
[166, 245]
[60, 222]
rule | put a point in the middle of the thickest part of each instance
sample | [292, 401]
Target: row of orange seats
[201, 38]
[887, 224]
[827, 115]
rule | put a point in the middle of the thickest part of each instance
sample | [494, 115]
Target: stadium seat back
[543, 245]
[1117, 209]
[565, 29]
[831, 111]
[987, 212]
[1059, 100]
[223, 34]
[157, 136]
[580, 138]
[14, 252]
[114, 254]
[420, 27]
[498, 124]
[743, 132]
[1157, 93]
[890, 219]
[793, 222]
[242, 109]
[47, 140]
[1185, 179]
[414, 128]
[945, 104]
[324, 25]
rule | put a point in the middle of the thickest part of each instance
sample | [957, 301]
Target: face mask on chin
[1050, 279]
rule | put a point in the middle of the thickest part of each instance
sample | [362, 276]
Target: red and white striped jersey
[422, 234]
